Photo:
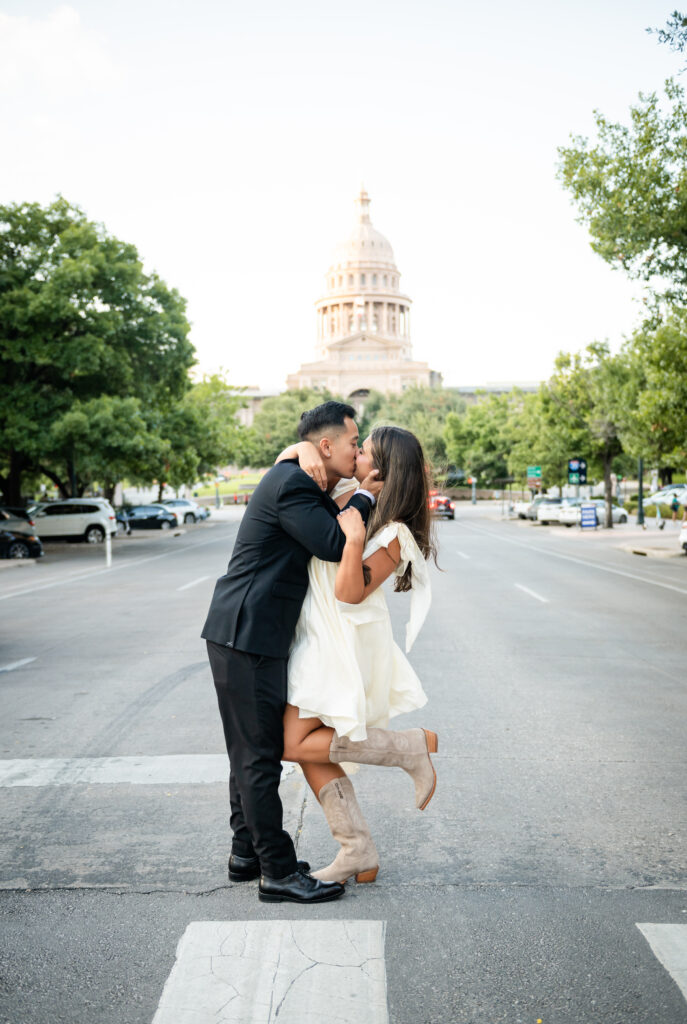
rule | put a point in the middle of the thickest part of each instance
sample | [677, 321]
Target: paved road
[557, 681]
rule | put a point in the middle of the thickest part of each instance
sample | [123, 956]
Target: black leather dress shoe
[300, 887]
[243, 869]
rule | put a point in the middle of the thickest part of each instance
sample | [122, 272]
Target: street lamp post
[640, 494]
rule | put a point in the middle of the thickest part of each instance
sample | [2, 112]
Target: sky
[227, 141]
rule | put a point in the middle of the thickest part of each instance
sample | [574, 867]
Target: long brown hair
[398, 456]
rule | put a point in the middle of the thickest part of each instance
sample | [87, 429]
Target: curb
[16, 563]
[651, 552]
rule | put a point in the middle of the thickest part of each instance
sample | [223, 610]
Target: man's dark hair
[316, 422]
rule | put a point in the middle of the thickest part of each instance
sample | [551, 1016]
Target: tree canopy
[94, 361]
[421, 410]
[275, 426]
[630, 188]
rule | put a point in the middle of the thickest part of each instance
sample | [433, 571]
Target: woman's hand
[352, 525]
[312, 463]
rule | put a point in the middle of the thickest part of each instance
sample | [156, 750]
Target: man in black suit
[249, 630]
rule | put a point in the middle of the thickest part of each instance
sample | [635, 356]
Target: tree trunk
[61, 486]
[608, 490]
[109, 490]
[160, 489]
[666, 475]
[11, 484]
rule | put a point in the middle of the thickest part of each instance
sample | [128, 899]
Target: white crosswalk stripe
[165, 770]
[293, 972]
[669, 945]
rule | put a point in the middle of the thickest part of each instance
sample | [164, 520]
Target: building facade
[363, 321]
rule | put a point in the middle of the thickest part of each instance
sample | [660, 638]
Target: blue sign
[588, 518]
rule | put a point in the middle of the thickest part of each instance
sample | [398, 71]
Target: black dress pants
[251, 692]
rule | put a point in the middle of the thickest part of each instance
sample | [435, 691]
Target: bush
[650, 510]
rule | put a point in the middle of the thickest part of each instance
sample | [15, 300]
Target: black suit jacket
[256, 604]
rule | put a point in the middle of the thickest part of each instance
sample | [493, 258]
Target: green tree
[79, 320]
[674, 34]
[421, 410]
[538, 437]
[630, 188]
[479, 440]
[199, 433]
[275, 426]
[656, 427]
[125, 447]
[588, 401]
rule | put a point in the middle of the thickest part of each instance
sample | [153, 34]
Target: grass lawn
[241, 484]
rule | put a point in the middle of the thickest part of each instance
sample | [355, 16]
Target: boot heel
[367, 876]
[432, 741]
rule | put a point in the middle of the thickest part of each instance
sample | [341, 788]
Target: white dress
[344, 666]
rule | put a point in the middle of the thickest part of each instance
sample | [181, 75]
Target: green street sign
[534, 472]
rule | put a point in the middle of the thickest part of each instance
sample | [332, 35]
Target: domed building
[363, 321]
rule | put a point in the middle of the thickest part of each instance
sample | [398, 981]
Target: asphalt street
[557, 681]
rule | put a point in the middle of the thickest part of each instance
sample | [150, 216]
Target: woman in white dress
[346, 676]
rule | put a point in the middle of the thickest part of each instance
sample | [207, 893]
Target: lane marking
[201, 579]
[16, 664]
[463, 555]
[526, 590]
[668, 943]
[166, 769]
[259, 972]
[579, 561]
[113, 568]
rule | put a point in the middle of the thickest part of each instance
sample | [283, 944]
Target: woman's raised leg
[306, 740]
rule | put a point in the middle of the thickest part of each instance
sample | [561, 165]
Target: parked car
[19, 545]
[547, 510]
[531, 510]
[190, 511]
[12, 518]
[520, 508]
[571, 516]
[89, 519]
[151, 517]
[440, 505]
[664, 496]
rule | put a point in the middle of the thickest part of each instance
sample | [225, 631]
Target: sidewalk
[650, 542]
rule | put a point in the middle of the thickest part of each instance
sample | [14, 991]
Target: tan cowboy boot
[358, 855]
[409, 749]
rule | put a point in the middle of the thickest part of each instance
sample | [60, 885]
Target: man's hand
[352, 525]
[311, 462]
[372, 484]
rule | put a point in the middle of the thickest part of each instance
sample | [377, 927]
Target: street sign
[588, 518]
[577, 471]
[534, 476]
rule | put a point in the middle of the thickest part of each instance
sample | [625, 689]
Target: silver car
[16, 519]
[186, 511]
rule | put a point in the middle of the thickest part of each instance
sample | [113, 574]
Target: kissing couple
[301, 649]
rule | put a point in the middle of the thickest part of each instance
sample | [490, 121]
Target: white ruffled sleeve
[344, 486]
[421, 592]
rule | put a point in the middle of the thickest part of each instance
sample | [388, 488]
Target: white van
[88, 519]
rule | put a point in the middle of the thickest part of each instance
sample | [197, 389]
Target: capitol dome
[363, 320]
[365, 245]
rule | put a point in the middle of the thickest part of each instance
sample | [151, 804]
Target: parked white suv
[89, 519]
